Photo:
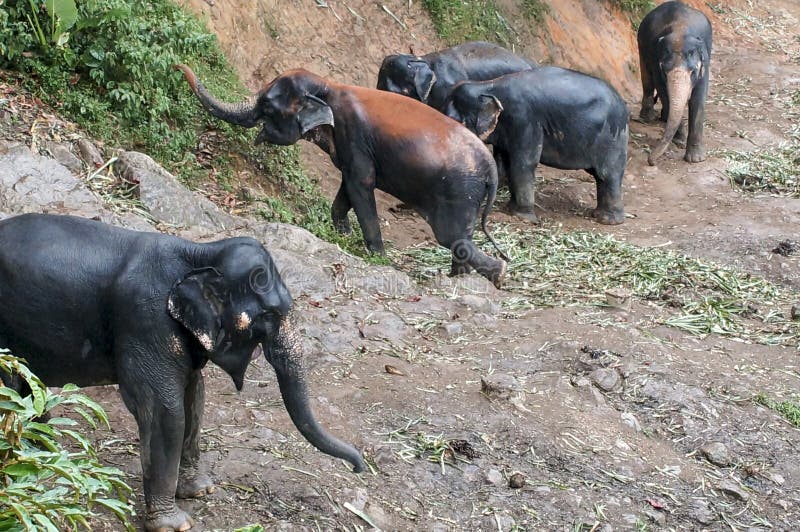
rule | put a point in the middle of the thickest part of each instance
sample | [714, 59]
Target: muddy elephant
[675, 60]
[91, 304]
[430, 77]
[554, 116]
[385, 141]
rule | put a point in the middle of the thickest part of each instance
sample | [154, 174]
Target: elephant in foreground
[554, 116]
[675, 61]
[430, 77]
[92, 304]
[385, 141]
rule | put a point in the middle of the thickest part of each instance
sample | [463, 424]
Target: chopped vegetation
[457, 21]
[435, 449]
[772, 169]
[788, 409]
[51, 477]
[558, 268]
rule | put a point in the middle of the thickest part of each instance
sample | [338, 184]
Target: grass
[552, 268]
[535, 10]
[457, 21]
[789, 410]
[433, 448]
[772, 169]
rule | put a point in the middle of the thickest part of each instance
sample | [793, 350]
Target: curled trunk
[240, 114]
[679, 89]
[284, 356]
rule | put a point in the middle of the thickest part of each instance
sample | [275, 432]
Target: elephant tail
[491, 188]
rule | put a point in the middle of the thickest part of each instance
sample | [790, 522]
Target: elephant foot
[648, 114]
[459, 269]
[343, 226]
[169, 520]
[695, 154]
[609, 217]
[526, 213]
[194, 485]
[495, 273]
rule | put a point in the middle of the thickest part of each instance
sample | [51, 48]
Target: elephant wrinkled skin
[89, 303]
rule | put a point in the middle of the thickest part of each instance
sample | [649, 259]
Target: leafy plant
[466, 20]
[535, 10]
[788, 409]
[47, 484]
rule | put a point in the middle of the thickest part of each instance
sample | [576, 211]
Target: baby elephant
[92, 304]
[675, 56]
[380, 140]
[555, 116]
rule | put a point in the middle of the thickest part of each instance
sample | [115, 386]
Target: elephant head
[408, 75]
[682, 62]
[291, 107]
[237, 301]
[474, 107]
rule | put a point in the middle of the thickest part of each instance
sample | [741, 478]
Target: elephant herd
[92, 304]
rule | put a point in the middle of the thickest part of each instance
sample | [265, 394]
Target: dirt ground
[570, 418]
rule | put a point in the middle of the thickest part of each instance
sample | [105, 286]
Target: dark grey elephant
[92, 304]
[675, 61]
[554, 116]
[385, 141]
[430, 77]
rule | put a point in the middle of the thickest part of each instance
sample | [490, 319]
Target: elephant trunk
[240, 114]
[285, 357]
[679, 89]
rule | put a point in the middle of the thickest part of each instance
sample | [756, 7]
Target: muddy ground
[574, 418]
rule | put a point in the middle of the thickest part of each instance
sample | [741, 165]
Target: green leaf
[21, 469]
[65, 10]
[45, 522]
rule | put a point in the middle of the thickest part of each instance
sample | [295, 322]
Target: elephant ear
[196, 302]
[315, 112]
[424, 78]
[488, 115]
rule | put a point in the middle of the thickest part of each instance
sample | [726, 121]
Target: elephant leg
[501, 161]
[339, 209]
[362, 198]
[522, 180]
[648, 111]
[192, 481]
[680, 135]
[160, 415]
[448, 227]
[695, 150]
[609, 210]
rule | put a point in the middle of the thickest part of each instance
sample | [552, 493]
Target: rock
[733, 489]
[659, 518]
[619, 298]
[385, 325]
[479, 304]
[500, 385]
[471, 472]
[701, 512]
[795, 313]
[516, 481]
[452, 328]
[168, 201]
[716, 453]
[630, 420]
[605, 378]
[64, 156]
[494, 477]
[357, 497]
[90, 154]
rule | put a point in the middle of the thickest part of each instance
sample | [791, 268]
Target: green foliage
[770, 169]
[535, 10]
[457, 21]
[788, 409]
[636, 9]
[46, 486]
[112, 72]
[301, 202]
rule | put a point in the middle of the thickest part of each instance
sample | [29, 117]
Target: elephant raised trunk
[285, 357]
[679, 89]
[241, 114]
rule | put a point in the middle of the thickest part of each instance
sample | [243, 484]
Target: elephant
[554, 116]
[385, 141]
[88, 303]
[430, 77]
[675, 60]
